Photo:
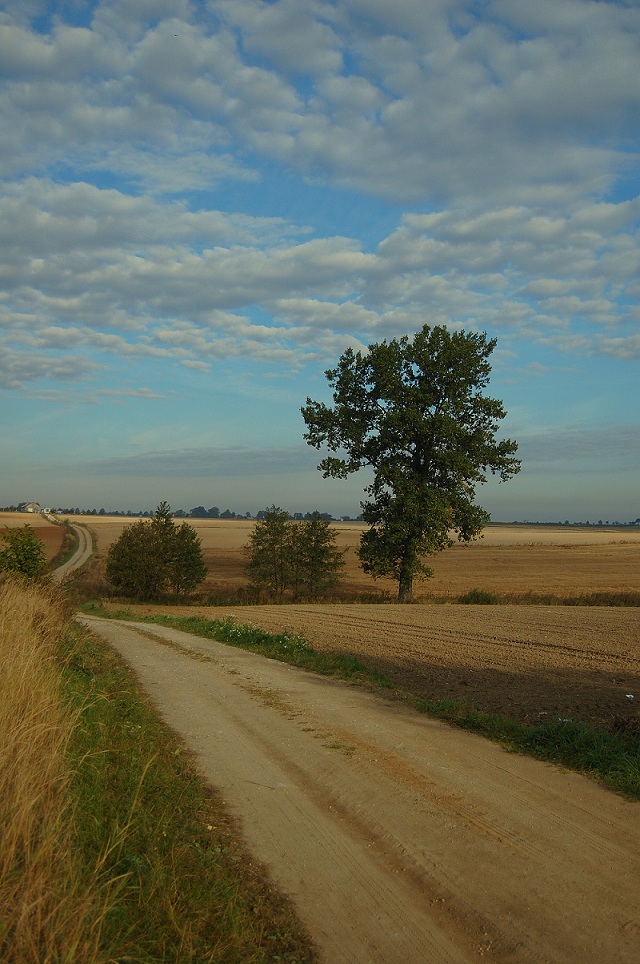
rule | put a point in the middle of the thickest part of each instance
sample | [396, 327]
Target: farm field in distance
[531, 662]
[509, 559]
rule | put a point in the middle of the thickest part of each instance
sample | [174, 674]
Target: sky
[203, 204]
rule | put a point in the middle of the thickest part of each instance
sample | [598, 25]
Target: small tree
[135, 564]
[155, 556]
[23, 554]
[290, 556]
[414, 410]
[316, 560]
[269, 553]
[187, 568]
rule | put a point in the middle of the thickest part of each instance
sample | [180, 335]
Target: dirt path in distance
[398, 838]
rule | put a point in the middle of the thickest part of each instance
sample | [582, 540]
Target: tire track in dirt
[398, 838]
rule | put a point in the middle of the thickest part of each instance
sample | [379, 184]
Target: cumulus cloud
[500, 134]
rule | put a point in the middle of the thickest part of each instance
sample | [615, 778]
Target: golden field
[508, 559]
[537, 559]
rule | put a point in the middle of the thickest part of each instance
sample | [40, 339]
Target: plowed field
[51, 535]
[533, 663]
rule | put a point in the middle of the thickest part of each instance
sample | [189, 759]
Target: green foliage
[414, 410]
[479, 597]
[23, 554]
[292, 557]
[268, 553]
[155, 557]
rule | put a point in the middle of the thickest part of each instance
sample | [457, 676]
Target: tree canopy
[156, 556]
[294, 558]
[414, 410]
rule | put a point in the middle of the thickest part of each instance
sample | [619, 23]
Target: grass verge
[188, 890]
[111, 848]
[610, 757]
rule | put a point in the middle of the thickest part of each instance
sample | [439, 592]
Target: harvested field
[533, 663]
[50, 534]
[509, 559]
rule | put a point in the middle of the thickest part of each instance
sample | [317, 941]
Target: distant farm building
[29, 507]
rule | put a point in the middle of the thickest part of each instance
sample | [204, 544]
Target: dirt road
[80, 556]
[399, 839]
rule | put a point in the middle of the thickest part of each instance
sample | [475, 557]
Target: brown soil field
[508, 559]
[50, 534]
[533, 663]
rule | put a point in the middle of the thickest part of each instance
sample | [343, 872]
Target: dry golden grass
[46, 913]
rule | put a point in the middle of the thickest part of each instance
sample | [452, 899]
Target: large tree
[414, 410]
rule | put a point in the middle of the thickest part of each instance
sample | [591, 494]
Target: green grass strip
[611, 757]
[185, 888]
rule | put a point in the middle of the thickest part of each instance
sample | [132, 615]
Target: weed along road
[399, 838]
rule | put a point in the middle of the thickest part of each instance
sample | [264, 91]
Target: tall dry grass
[48, 910]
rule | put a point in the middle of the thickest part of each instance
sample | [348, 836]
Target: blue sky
[203, 204]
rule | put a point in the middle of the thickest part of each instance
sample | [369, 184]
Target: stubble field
[509, 559]
[533, 662]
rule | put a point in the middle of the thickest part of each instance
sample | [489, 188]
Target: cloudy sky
[202, 204]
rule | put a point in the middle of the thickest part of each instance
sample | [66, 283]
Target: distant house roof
[29, 507]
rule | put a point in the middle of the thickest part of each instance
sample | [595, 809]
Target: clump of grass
[48, 911]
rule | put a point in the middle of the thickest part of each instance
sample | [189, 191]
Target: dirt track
[398, 838]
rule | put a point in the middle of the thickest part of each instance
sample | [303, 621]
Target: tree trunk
[405, 587]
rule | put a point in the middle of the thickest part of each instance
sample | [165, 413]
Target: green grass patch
[612, 758]
[479, 597]
[185, 888]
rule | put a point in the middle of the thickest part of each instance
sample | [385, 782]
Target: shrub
[479, 597]
[23, 554]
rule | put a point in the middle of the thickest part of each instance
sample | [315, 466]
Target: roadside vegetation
[482, 597]
[110, 846]
[22, 554]
[609, 755]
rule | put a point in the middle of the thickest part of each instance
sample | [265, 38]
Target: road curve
[398, 838]
[80, 556]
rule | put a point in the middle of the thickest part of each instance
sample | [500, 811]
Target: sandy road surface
[398, 838]
[80, 556]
